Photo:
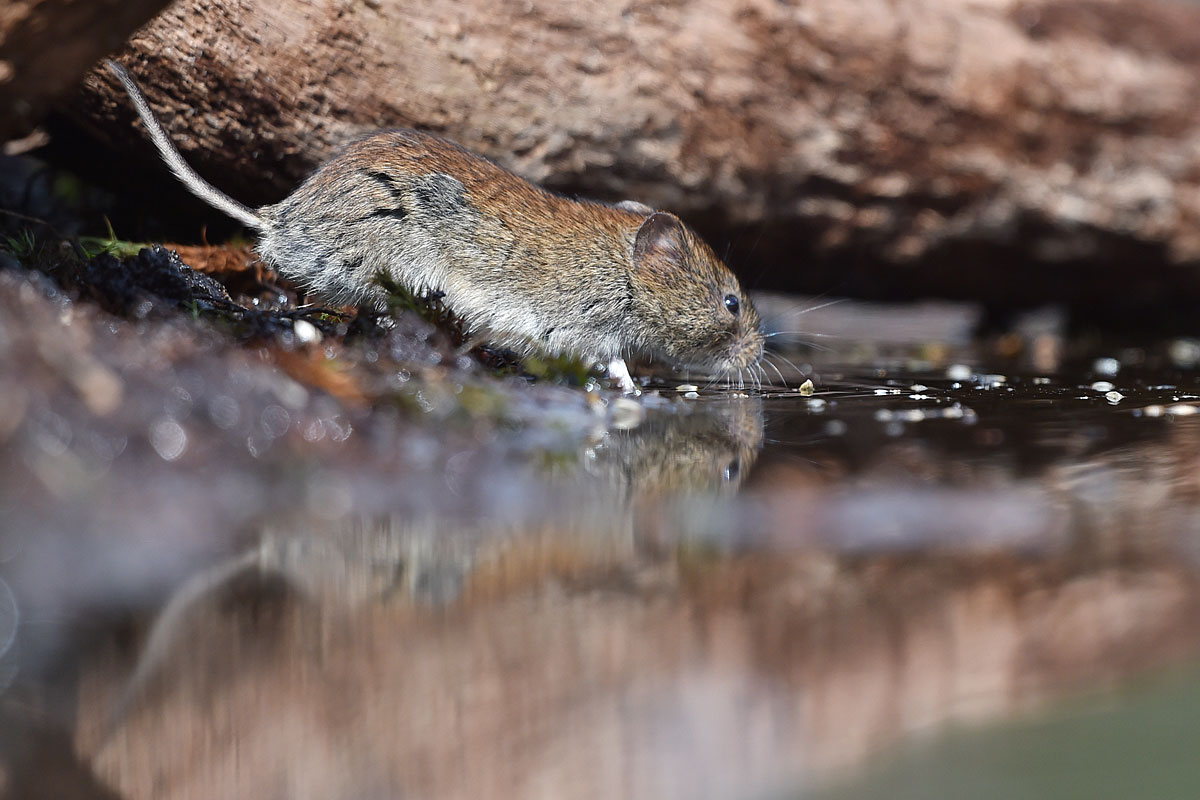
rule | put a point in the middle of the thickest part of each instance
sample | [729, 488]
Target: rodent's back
[509, 256]
[526, 268]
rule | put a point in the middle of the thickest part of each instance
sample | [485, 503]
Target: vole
[525, 268]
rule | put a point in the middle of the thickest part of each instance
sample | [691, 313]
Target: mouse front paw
[619, 372]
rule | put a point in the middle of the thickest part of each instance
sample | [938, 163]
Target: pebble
[306, 332]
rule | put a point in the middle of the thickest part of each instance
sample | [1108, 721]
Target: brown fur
[524, 267]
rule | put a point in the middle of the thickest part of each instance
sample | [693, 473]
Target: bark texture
[47, 45]
[1012, 151]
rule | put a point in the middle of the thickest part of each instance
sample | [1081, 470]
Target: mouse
[525, 268]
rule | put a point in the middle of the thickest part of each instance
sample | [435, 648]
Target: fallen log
[47, 45]
[1016, 152]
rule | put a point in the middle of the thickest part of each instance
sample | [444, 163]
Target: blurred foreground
[225, 573]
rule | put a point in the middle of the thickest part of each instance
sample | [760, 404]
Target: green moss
[428, 307]
[558, 369]
[479, 401]
[23, 246]
[98, 245]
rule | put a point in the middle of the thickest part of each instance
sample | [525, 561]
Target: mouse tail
[182, 170]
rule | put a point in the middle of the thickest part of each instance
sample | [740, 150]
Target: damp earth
[253, 548]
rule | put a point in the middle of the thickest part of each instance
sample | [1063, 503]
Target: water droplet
[958, 372]
[275, 421]
[224, 411]
[168, 439]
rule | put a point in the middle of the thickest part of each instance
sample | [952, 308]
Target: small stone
[306, 332]
[806, 388]
[686, 387]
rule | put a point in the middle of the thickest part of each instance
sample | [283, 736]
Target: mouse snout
[746, 350]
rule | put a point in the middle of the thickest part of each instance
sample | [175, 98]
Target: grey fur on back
[507, 256]
[525, 268]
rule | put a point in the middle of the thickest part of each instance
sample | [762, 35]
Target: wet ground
[280, 553]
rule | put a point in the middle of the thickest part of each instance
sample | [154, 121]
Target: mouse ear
[659, 239]
[635, 207]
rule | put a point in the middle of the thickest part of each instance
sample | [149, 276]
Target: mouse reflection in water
[617, 487]
[526, 269]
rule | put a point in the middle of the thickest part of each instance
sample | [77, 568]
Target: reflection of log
[582, 659]
[945, 146]
[45, 46]
[701, 677]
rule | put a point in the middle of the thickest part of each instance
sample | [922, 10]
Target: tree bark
[46, 46]
[1019, 152]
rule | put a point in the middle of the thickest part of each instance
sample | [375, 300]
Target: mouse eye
[732, 469]
[731, 303]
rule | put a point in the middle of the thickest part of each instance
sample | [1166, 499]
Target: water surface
[957, 567]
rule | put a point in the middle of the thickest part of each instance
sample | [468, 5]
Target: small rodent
[525, 268]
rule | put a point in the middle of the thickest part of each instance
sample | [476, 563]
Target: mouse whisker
[801, 341]
[803, 333]
[827, 304]
[795, 312]
[768, 362]
[823, 348]
[789, 362]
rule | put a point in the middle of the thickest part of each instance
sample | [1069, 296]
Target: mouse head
[690, 308]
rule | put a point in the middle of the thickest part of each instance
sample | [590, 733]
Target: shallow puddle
[227, 584]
